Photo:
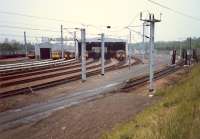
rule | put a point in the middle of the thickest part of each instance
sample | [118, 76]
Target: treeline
[169, 45]
[15, 48]
[195, 43]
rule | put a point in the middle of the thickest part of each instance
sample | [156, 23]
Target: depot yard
[94, 118]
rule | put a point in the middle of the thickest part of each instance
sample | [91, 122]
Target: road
[36, 112]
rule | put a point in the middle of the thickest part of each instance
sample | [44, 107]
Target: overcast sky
[117, 13]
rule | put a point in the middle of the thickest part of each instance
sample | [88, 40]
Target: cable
[27, 24]
[134, 18]
[175, 11]
[27, 28]
[21, 36]
[32, 16]
[139, 33]
[50, 19]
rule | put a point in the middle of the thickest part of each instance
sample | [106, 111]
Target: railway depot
[63, 78]
[53, 82]
[114, 48]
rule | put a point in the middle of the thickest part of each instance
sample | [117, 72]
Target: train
[67, 55]
[55, 55]
[114, 48]
[119, 55]
[58, 55]
[31, 55]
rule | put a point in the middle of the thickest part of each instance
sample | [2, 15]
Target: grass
[176, 116]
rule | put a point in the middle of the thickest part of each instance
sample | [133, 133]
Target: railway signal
[151, 19]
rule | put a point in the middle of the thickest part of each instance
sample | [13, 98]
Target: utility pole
[83, 55]
[151, 19]
[102, 54]
[25, 44]
[61, 40]
[76, 46]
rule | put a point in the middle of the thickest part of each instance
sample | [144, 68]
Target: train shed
[112, 45]
[44, 50]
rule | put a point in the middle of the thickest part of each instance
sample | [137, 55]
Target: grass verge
[176, 116]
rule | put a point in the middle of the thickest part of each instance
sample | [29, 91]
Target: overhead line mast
[151, 19]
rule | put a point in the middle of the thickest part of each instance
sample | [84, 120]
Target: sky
[94, 15]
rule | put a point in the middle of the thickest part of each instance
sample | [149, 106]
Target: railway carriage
[69, 55]
[55, 55]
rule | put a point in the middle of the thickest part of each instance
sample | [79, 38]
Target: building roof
[90, 40]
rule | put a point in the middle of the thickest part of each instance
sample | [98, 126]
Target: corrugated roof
[106, 40]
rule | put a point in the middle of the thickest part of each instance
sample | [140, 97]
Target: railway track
[72, 75]
[27, 79]
[36, 66]
[22, 63]
[142, 80]
[41, 71]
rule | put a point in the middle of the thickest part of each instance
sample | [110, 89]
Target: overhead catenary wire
[43, 25]
[116, 28]
[27, 28]
[175, 11]
[36, 17]
[134, 18]
[21, 36]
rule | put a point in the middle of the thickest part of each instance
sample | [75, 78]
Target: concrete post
[151, 86]
[129, 53]
[61, 40]
[102, 54]
[83, 55]
[76, 46]
[25, 45]
[143, 41]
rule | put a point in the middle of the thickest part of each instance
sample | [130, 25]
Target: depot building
[45, 49]
[93, 47]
